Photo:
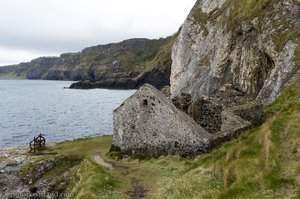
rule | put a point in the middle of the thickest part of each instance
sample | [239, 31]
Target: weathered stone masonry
[205, 112]
[148, 123]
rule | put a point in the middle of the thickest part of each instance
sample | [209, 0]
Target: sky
[34, 28]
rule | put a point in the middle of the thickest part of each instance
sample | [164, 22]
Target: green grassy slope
[263, 162]
[11, 76]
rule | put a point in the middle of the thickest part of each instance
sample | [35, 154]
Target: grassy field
[11, 76]
[263, 162]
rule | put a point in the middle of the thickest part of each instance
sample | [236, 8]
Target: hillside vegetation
[136, 60]
[261, 163]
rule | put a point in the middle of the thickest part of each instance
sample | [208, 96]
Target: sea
[31, 107]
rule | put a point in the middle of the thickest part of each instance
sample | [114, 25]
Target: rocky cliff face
[253, 45]
[132, 67]
[127, 64]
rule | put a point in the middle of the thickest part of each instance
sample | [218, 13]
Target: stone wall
[207, 114]
[225, 136]
[183, 102]
[204, 111]
[147, 123]
[252, 112]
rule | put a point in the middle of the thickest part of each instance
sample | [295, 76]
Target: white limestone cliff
[251, 45]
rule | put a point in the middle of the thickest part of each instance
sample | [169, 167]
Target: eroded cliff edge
[251, 45]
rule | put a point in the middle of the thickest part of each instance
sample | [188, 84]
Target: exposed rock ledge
[156, 77]
[21, 175]
[109, 84]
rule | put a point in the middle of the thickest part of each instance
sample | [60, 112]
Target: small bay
[30, 107]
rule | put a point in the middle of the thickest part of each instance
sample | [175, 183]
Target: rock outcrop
[253, 45]
[24, 175]
[127, 65]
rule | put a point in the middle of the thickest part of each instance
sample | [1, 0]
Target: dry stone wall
[149, 124]
[208, 115]
[205, 112]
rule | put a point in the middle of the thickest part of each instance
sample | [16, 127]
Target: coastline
[26, 146]
[61, 114]
[20, 170]
[3, 78]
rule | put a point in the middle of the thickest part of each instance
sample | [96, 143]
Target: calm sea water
[30, 107]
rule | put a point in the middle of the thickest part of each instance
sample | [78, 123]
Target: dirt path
[138, 190]
[99, 160]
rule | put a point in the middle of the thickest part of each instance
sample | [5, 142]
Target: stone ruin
[148, 123]
[206, 113]
[151, 125]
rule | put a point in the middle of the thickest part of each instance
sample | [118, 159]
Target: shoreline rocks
[22, 174]
[155, 77]
[108, 84]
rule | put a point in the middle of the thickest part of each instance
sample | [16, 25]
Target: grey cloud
[57, 26]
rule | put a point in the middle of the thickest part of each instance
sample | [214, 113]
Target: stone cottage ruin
[150, 124]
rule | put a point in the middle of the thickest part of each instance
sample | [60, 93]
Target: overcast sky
[33, 28]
